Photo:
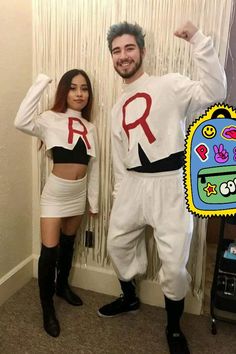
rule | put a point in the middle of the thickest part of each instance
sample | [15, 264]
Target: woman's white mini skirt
[62, 197]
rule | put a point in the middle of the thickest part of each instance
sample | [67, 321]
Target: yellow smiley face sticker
[209, 131]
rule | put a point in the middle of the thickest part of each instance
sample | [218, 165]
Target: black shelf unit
[223, 290]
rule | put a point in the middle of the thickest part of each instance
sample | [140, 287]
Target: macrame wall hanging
[71, 34]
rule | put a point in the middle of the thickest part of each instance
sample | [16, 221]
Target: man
[148, 126]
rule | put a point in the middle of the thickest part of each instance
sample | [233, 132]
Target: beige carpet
[83, 332]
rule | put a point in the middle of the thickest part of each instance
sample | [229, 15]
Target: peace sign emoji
[221, 155]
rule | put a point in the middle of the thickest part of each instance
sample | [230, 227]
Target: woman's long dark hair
[60, 103]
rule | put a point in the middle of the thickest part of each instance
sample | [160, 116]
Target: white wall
[15, 148]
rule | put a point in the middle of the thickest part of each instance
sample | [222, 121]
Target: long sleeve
[24, 120]
[93, 178]
[118, 158]
[211, 87]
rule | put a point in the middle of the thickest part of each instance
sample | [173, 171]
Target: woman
[71, 141]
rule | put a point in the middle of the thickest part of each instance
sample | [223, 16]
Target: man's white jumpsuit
[151, 113]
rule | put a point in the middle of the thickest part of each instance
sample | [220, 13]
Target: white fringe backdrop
[71, 34]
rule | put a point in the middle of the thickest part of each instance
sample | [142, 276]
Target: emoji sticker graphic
[210, 169]
[221, 155]
[209, 131]
[229, 133]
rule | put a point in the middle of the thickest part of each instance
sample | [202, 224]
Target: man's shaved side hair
[121, 28]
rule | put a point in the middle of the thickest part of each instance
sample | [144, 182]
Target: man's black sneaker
[119, 306]
[177, 343]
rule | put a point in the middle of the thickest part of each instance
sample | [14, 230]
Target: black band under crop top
[77, 155]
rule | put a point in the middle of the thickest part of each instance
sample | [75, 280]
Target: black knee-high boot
[66, 249]
[46, 281]
[175, 337]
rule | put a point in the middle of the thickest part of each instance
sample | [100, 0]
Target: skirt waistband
[62, 180]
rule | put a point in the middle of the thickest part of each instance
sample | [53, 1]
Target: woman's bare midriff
[71, 171]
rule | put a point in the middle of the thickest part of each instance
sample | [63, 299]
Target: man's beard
[129, 74]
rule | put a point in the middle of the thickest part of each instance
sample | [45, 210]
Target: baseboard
[104, 280]
[16, 279]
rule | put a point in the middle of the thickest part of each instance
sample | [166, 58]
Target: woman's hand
[92, 214]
